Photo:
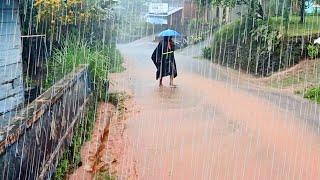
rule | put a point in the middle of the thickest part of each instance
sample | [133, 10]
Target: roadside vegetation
[71, 158]
[101, 59]
[72, 33]
[265, 49]
[313, 94]
[264, 43]
[199, 29]
[295, 27]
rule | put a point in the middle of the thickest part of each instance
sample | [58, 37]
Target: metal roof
[170, 12]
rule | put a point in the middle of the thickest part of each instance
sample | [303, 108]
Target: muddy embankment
[99, 156]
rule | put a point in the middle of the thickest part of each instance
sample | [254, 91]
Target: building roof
[160, 19]
[170, 12]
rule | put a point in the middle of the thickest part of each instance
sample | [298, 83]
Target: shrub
[313, 51]
[313, 94]
[260, 50]
[207, 52]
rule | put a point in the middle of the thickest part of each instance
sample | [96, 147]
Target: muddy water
[208, 129]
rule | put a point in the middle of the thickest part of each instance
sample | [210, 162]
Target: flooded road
[213, 125]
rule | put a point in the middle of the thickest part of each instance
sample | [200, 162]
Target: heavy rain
[160, 89]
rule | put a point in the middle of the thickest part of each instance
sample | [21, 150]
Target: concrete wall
[31, 145]
[11, 79]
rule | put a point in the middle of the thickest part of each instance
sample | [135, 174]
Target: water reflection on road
[210, 128]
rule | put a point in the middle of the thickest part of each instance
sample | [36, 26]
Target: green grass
[102, 60]
[294, 79]
[310, 26]
[228, 31]
[287, 81]
[308, 73]
[104, 176]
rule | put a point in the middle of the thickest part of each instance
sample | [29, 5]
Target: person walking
[164, 60]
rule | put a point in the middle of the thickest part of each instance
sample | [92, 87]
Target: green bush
[260, 49]
[232, 31]
[104, 176]
[313, 94]
[313, 51]
[207, 52]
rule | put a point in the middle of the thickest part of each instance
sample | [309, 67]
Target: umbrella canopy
[169, 32]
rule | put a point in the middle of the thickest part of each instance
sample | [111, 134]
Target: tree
[205, 2]
[303, 4]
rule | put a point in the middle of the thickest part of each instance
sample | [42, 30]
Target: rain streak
[160, 89]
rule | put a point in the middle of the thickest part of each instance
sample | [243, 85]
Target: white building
[11, 75]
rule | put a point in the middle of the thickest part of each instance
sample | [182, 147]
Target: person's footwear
[173, 85]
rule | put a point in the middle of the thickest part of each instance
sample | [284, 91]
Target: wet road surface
[214, 125]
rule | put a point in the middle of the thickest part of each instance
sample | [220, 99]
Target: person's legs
[160, 82]
[171, 81]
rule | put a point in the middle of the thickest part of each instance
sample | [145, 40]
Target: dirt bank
[93, 151]
[117, 146]
[297, 78]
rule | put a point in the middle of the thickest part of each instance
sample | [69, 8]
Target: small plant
[313, 51]
[313, 94]
[62, 169]
[29, 82]
[118, 100]
[207, 52]
[103, 176]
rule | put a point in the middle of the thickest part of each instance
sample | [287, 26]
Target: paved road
[213, 125]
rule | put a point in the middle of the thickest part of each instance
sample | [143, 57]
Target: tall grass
[310, 26]
[101, 59]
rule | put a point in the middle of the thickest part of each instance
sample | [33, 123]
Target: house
[11, 74]
[161, 16]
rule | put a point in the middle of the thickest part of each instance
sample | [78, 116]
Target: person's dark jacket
[164, 60]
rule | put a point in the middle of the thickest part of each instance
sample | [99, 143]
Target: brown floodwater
[209, 129]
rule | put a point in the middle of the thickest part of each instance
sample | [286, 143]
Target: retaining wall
[39, 133]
